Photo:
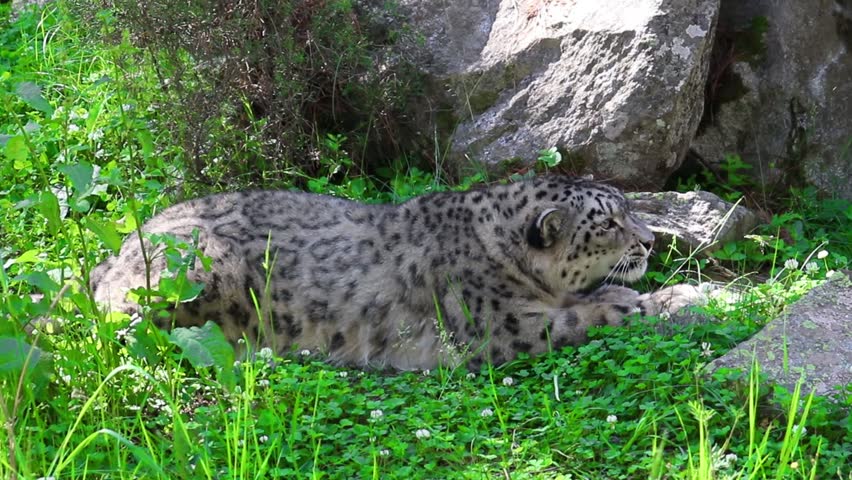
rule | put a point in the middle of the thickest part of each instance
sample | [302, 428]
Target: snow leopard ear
[545, 229]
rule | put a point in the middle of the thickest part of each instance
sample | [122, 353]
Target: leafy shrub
[250, 90]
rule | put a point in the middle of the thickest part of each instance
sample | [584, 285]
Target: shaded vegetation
[94, 141]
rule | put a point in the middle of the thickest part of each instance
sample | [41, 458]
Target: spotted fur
[445, 278]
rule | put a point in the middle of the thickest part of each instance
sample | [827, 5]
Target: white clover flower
[508, 381]
[426, 372]
[722, 462]
[830, 273]
[611, 419]
[811, 267]
[470, 376]
[706, 351]
[791, 264]
[96, 135]
[238, 364]
[73, 128]
[486, 412]
[384, 453]
[263, 438]
[822, 254]
[343, 374]
[265, 353]
[160, 404]
[794, 465]
[263, 383]
[127, 107]
[305, 352]
[422, 433]
[376, 414]
[800, 429]
[241, 341]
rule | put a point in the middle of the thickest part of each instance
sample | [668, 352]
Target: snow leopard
[443, 279]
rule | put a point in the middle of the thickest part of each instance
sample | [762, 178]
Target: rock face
[700, 221]
[784, 102]
[618, 84]
[816, 332]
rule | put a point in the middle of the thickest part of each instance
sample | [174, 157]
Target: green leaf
[94, 114]
[180, 289]
[206, 346]
[40, 280]
[31, 94]
[48, 205]
[145, 341]
[14, 353]
[16, 151]
[30, 256]
[550, 157]
[105, 232]
[146, 142]
[358, 186]
[81, 175]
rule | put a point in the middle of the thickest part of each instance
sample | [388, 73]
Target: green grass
[85, 159]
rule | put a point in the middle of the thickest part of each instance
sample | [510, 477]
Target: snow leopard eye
[608, 224]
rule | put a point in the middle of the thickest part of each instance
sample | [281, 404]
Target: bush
[251, 90]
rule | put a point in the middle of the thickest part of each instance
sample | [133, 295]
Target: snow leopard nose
[648, 244]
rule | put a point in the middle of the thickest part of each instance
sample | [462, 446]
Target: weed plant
[253, 92]
[86, 159]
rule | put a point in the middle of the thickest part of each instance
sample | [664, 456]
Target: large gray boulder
[813, 336]
[618, 84]
[783, 97]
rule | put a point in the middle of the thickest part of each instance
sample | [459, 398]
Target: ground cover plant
[88, 154]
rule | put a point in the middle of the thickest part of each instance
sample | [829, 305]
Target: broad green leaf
[13, 355]
[106, 233]
[16, 150]
[205, 346]
[31, 94]
[180, 289]
[127, 223]
[358, 187]
[146, 142]
[80, 205]
[30, 256]
[94, 114]
[40, 280]
[81, 175]
[144, 342]
[48, 205]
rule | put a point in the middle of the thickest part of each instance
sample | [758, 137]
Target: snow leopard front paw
[613, 294]
[601, 314]
[671, 299]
